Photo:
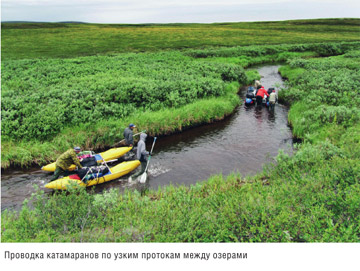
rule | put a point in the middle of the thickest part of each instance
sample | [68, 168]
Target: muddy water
[243, 143]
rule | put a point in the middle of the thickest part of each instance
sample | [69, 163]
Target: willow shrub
[42, 97]
[324, 93]
[101, 135]
[322, 49]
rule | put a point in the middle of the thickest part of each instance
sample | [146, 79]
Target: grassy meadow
[193, 72]
[64, 40]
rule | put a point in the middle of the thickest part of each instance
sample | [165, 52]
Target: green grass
[290, 73]
[39, 40]
[247, 61]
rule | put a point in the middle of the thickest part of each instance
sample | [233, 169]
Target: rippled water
[243, 143]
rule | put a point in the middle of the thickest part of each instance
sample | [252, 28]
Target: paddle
[144, 175]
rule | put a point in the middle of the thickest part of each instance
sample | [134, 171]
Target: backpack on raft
[89, 162]
[250, 92]
[86, 174]
[250, 95]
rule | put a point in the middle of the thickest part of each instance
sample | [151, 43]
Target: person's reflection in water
[271, 116]
[258, 113]
[143, 188]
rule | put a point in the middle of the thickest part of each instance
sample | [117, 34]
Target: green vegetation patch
[68, 40]
[324, 92]
[99, 135]
[42, 97]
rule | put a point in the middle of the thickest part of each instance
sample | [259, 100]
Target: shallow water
[243, 142]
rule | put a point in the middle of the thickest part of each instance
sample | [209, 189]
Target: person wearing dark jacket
[260, 95]
[128, 135]
[141, 155]
[65, 161]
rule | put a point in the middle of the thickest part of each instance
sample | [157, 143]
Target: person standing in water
[141, 155]
[65, 161]
[272, 100]
[260, 95]
[257, 84]
[128, 135]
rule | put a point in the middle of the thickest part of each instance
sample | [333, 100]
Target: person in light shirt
[273, 99]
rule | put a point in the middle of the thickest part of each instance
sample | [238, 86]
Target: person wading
[273, 99]
[260, 95]
[257, 84]
[141, 155]
[65, 160]
[128, 135]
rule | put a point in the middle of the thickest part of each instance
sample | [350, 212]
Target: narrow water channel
[243, 143]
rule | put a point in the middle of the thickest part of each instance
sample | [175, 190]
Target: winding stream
[243, 143]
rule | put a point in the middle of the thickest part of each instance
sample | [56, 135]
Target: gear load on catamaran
[250, 98]
[95, 159]
[94, 175]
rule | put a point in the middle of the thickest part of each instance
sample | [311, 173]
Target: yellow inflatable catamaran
[108, 155]
[114, 173]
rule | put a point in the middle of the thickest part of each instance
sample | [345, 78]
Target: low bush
[42, 97]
